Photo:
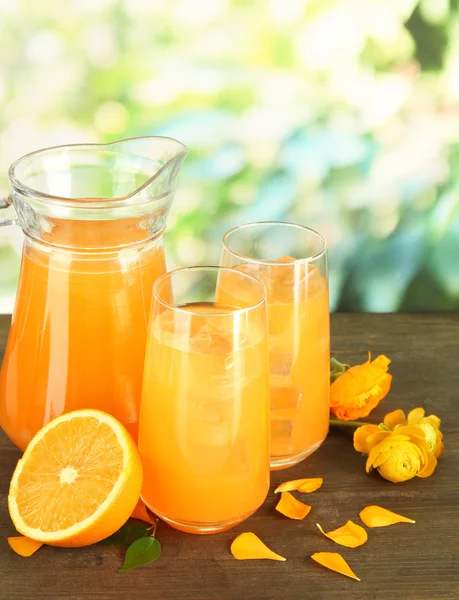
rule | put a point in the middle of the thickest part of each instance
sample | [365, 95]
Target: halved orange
[78, 481]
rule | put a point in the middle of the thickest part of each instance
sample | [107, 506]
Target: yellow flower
[355, 391]
[398, 455]
[429, 425]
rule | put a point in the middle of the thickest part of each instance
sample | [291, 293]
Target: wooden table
[401, 562]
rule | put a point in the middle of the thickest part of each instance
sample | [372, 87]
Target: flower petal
[415, 415]
[378, 454]
[289, 506]
[248, 546]
[432, 435]
[350, 535]
[301, 485]
[376, 516]
[361, 435]
[375, 438]
[430, 465]
[436, 421]
[140, 512]
[410, 430]
[394, 418]
[334, 562]
[401, 465]
[381, 361]
[24, 546]
[430, 426]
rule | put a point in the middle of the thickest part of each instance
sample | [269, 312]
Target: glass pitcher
[93, 218]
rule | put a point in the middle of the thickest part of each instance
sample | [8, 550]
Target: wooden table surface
[402, 562]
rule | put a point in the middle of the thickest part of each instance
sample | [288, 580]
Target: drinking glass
[204, 416]
[291, 261]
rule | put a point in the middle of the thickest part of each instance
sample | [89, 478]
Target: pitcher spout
[149, 164]
[130, 180]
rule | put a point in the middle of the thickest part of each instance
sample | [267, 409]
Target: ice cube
[236, 291]
[285, 398]
[286, 401]
[280, 363]
[281, 437]
[288, 280]
[211, 339]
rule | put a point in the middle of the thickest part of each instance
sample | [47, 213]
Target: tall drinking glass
[204, 416]
[291, 261]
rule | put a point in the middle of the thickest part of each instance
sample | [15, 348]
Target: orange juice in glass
[291, 262]
[93, 217]
[204, 417]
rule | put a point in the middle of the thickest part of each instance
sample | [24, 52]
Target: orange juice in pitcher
[93, 218]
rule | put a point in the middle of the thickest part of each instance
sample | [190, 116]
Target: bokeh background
[339, 114]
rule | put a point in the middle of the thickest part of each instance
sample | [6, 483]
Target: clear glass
[204, 417]
[291, 261]
[93, 218]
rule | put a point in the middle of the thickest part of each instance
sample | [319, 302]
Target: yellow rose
[429, 425]
[398, 455]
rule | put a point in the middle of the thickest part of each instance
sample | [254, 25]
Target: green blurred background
[339, 114]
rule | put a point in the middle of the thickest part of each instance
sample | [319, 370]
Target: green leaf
[130, 532]
[337, 369]
[141, 552]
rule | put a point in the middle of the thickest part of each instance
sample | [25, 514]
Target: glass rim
[273, 263]
[176, 308]
[76, 203]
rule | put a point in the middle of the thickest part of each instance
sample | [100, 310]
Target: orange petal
[376, 516]
[334, 562]
[436, 421]
[375, 438]
[415, 415]
[140, 512]
[292, 508]
[301, 485]
[350, 535]
[409, 430]
[24, 546]
[396, 417]
[361, 436]
[248, 546]
[431, 463]
[381, 361]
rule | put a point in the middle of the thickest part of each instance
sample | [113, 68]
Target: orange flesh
[69, 474]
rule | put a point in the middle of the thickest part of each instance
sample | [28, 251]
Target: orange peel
[140, 512]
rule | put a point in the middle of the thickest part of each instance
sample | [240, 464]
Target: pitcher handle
[5, 204]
